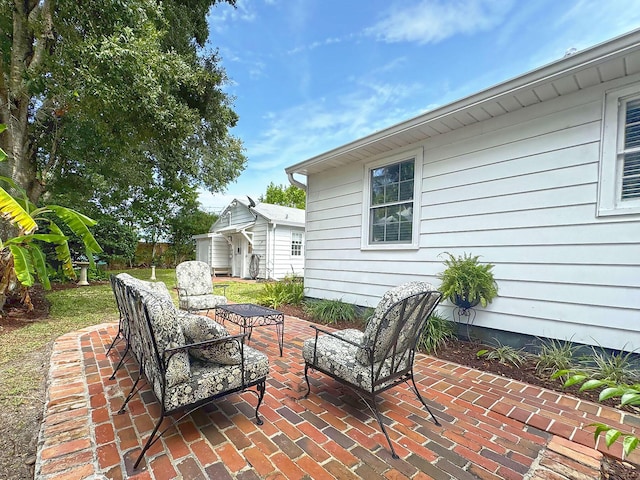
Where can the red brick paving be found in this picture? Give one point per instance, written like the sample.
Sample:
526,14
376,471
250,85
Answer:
492,427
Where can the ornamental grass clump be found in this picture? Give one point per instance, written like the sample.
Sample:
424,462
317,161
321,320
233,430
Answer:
467,282
331,311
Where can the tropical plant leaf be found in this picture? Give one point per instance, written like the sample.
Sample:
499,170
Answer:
629,444
22,265
40,266
62,251
611,436
600,427
591,384
3,155
78,225
631,397
611,392
572,380
44,237
12,212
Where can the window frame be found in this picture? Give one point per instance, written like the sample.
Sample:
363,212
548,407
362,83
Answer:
300,245
611,156
418,156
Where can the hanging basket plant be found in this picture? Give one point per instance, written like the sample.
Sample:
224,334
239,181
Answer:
466,282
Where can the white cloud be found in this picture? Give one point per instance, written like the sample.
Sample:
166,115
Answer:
310,128
431,21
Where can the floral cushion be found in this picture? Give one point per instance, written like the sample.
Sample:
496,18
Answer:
194,277
197,328
168,333
208,380
339,358
193,303
383,317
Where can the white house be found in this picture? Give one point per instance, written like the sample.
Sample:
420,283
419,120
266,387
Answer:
255,241
539,175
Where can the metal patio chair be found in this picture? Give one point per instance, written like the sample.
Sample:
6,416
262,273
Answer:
195,287
382,356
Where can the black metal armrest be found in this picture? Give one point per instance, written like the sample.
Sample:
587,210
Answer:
170,352
223,286
331,334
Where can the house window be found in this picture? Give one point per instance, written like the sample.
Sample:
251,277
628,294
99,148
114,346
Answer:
391,193
296,244
619,187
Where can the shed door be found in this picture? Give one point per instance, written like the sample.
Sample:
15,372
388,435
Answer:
239,259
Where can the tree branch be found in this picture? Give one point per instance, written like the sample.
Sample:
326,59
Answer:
43,13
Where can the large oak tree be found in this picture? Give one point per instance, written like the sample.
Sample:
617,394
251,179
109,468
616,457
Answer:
106,98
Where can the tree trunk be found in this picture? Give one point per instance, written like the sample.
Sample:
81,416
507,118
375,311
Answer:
27,53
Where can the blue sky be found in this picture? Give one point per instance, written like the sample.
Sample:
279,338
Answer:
311,75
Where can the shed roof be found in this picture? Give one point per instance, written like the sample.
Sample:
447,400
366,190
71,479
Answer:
279,214
615,58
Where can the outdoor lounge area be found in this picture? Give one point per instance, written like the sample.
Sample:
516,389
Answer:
491,427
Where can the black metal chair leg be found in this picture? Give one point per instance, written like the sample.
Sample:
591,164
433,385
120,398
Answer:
124,354
375,411
115,340
306,377
132,392
150,441
261,387
417,392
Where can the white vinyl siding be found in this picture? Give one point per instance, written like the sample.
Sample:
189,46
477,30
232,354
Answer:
521,191
619,186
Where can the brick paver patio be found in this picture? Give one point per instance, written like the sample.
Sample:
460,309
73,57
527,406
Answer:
492,427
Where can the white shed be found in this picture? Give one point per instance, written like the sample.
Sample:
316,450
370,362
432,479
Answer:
255,241
539,175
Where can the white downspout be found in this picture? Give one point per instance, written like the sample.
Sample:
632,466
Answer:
296,183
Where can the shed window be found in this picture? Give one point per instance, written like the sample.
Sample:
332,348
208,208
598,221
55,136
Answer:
296,244
391,190
620,162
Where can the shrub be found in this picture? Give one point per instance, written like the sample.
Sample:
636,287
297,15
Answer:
284,292
628,395
505,354
436,333
555,355
331,311
615,367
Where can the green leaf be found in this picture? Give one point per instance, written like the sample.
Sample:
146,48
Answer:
629,444
3,155
78,224
574,379
62,251
611,392
22,265
40,266
3,127
560,373
611,436
600,427
482,352
44,237
630,398
11,211
591,384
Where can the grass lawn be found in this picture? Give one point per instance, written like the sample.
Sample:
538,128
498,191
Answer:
73,309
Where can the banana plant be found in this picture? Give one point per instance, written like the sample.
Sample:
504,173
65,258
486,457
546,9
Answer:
22,261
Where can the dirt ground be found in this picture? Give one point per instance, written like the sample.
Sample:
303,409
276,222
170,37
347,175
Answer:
19,425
